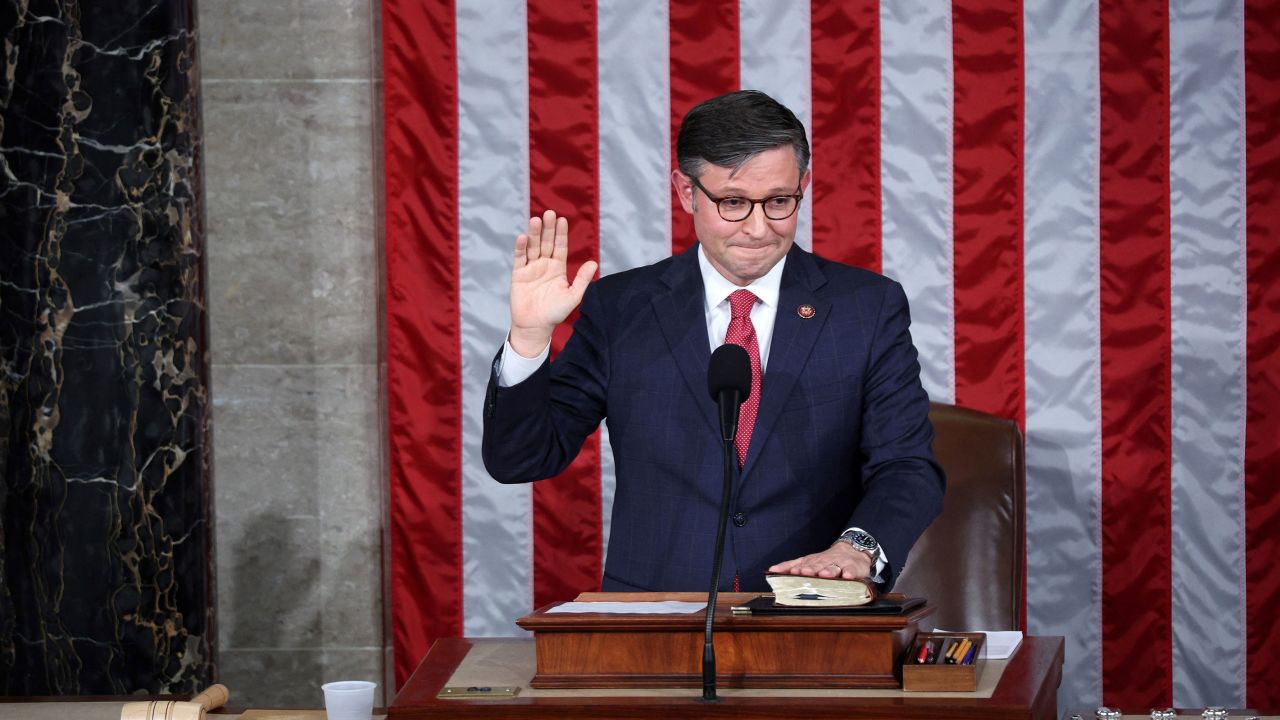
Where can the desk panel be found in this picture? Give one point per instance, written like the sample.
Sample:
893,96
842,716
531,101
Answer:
1027,689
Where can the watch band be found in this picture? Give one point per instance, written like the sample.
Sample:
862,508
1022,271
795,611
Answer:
862,540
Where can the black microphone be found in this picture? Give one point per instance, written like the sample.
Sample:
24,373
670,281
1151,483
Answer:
729,380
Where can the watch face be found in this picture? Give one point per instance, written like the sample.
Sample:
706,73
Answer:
863,540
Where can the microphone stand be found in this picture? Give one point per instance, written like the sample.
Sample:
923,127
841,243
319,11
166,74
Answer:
729,427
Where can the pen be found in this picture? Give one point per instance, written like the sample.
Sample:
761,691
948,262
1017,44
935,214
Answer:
923,656
968,656
952,646
958,652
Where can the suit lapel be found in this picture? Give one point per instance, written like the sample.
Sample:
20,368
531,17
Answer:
682,317
793,339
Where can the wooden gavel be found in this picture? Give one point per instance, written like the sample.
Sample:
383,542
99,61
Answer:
193,709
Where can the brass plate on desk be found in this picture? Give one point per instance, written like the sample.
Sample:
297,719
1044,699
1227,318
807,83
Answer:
283,715
473,692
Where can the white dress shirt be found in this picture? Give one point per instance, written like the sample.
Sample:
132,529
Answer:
715,304
514,368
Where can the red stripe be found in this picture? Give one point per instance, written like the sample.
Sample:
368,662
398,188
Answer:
844,47
987,249
704,63
423,352
987,56
1136,346
1262,429
564,176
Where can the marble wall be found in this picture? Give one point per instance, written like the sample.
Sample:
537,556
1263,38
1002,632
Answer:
105,583
293,189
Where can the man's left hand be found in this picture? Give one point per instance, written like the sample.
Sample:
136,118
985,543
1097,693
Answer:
838,561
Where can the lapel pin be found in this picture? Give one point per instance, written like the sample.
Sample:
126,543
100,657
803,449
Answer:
806,311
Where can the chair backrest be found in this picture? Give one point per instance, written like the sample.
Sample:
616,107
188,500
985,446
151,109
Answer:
969,563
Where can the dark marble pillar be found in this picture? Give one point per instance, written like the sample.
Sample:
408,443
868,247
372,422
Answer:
105,572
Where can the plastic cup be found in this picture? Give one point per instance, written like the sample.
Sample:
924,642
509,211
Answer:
349,699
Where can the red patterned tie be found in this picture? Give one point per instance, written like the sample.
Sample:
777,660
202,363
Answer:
742,332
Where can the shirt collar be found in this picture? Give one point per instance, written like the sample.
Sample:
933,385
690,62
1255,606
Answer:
718,288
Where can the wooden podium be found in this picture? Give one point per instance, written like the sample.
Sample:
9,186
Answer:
597,650
626,659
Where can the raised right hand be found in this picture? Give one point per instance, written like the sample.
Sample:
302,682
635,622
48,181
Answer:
541,294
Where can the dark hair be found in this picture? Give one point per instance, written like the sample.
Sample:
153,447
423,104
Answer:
730,129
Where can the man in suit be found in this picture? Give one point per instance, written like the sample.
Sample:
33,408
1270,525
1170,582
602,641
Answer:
835,474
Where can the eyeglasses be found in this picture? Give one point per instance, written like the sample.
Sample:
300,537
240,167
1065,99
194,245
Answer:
737,209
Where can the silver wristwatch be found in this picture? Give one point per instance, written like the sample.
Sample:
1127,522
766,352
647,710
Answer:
863,541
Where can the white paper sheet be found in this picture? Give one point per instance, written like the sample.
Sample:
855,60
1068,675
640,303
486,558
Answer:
1000,643
634,608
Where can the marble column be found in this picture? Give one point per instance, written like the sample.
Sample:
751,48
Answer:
105,563
291,130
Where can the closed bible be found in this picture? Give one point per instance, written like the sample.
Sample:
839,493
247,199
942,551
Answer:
801,591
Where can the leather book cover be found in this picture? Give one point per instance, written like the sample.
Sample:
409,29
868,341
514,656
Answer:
883,605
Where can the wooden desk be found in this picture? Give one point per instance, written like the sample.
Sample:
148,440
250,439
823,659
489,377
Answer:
98,708
108,707
1028,689
1236,714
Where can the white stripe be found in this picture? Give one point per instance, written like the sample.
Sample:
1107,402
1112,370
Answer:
493,205
635,156
774,59
1063,346
916,167
1206,160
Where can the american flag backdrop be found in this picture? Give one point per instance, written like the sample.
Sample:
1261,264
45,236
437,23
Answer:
1082,200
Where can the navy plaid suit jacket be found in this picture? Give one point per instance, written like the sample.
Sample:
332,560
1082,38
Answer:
842,437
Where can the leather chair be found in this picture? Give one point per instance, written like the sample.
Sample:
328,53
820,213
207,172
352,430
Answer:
969,563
